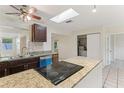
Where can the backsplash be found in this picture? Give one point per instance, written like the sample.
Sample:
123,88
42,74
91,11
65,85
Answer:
35,46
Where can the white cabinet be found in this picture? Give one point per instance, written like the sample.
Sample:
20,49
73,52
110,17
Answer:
93,79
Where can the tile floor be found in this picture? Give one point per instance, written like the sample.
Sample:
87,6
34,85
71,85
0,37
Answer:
113,75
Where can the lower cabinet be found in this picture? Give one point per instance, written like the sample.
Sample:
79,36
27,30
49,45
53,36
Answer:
92,80
21,65
11,67
15,66
15,69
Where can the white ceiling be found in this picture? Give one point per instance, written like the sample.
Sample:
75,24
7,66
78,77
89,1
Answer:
105,16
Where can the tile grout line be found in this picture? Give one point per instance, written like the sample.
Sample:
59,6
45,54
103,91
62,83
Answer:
106,77
117,73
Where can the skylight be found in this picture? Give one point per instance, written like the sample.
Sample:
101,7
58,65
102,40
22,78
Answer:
70,13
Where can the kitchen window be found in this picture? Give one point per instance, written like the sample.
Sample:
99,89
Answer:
7,44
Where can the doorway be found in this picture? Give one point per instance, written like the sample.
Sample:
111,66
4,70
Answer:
113,73
115,48
82,45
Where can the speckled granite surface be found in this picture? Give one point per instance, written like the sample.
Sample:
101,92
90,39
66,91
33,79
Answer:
7,59
32,79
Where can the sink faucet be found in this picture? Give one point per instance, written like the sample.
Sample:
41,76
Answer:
23,53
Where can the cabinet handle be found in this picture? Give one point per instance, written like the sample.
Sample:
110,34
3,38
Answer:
5,72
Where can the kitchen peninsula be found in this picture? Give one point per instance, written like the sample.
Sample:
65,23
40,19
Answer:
89,76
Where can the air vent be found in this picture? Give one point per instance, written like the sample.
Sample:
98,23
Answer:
69,21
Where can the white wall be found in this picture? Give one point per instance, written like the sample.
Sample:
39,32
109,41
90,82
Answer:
65,46
68,44
104,31
93,46
89,31
119,46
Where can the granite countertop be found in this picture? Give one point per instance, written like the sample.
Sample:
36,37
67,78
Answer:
32,79
6,59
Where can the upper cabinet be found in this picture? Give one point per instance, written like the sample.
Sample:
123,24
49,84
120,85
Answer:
39,33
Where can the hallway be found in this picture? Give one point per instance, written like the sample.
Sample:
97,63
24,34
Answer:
113,75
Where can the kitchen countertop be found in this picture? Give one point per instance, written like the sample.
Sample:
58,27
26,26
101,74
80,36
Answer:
6,59
32,79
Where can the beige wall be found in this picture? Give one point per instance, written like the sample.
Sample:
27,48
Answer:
65,45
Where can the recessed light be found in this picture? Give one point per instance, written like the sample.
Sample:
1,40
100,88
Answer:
94,10
70,13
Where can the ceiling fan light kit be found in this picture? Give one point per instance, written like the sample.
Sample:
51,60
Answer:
25,13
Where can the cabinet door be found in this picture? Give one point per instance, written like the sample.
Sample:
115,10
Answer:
38,33
21,65
16,69
2,73
32,65
16,66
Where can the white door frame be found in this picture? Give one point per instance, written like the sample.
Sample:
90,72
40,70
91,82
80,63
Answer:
108,49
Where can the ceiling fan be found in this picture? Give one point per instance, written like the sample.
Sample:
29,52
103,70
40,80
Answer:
25,12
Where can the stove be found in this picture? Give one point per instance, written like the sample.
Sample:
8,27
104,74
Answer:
56,73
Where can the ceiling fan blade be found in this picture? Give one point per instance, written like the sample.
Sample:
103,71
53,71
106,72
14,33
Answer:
13,13
15,7
36,17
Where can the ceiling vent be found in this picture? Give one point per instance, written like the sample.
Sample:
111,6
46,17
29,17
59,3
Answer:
68,21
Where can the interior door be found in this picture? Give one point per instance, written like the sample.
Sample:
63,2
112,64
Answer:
93,46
